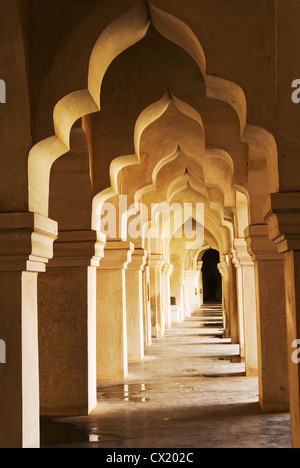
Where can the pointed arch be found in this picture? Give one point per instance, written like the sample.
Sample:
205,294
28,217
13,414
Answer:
124,32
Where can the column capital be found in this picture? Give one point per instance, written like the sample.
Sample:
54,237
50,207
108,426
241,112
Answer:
241,252
138,260
223,268
200,266
282,214
260,247
117,255
26,241
156,261
235,259
78,248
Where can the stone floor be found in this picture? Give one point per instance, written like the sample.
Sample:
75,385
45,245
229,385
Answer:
189,392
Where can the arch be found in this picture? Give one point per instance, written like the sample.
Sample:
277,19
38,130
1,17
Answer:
70,195
124,32
265,142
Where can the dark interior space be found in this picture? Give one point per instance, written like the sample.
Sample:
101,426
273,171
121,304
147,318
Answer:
212,280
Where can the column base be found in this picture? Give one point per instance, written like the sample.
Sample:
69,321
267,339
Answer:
274,407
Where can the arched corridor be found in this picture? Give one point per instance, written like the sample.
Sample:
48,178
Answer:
149,224
189,392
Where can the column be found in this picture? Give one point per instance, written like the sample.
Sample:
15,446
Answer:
135,305
240,302
224,271
67,325
177,291
26,245
112,358
200,287
156,263
234,320
249,306
283,218
147,308
167,271
192,291
271,319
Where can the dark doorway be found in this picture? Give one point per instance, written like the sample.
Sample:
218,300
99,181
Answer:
212,280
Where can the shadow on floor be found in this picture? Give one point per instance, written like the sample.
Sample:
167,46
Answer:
178,428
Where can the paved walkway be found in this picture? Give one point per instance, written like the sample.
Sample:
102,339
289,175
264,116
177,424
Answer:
189,392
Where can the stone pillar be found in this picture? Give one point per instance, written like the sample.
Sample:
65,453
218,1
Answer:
156,263
224,271
67,325
135,305
181,312
177,290
200,288
112,358
26,244
249,306
187,295
192,291
283,218
271,319
234,320
240,302
167,295
147,308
